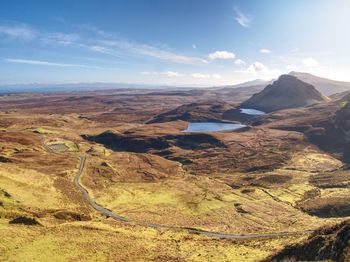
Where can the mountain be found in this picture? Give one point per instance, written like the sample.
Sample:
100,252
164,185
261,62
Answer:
287,92
77,87
251,86
256,82
324,85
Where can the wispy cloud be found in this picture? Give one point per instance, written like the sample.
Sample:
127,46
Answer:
265,51
21,31
239,62
221,55
103,42
41,63
155,52
116,43
111,43
60,38
103,50
243,19
177,74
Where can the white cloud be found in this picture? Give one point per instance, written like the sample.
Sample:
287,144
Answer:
239,62
194,46
199,75
242,19
257,67
166,73
171,74
17,31
259,70
221,55
310,62
265,51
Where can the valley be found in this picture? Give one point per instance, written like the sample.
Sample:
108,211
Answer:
106,170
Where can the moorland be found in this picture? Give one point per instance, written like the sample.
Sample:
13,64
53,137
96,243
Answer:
265,191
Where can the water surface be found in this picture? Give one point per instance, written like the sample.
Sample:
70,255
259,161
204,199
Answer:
250,111
211,127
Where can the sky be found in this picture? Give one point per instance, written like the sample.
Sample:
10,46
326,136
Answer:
182,42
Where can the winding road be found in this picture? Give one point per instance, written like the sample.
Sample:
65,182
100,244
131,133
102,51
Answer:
109,213
99,208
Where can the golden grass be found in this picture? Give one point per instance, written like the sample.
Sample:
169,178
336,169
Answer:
172,198
98,241
42,130
29,187
313,161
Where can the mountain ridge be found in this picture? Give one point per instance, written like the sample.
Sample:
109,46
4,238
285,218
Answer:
324,85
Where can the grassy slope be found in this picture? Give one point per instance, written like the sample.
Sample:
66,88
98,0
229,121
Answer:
107,241
211,204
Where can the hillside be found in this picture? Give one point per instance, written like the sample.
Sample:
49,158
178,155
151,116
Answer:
324,85
197,112
287,92
327,244
334,134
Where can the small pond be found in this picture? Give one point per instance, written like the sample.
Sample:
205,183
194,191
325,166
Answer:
250,111
211,127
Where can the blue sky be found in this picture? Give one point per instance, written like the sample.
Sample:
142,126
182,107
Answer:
182,42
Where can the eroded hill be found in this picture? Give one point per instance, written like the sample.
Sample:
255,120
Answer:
287,92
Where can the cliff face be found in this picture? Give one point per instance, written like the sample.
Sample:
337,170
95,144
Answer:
287,92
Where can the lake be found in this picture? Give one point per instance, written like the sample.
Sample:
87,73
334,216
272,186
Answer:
250,111
211,127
